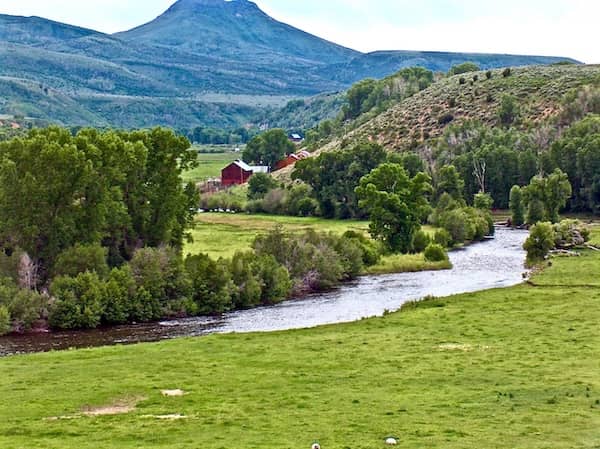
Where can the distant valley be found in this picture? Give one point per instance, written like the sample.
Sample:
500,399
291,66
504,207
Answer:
201,63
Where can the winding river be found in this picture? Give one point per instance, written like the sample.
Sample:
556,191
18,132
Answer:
497,262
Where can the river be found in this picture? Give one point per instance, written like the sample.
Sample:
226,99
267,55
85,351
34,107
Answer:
494,263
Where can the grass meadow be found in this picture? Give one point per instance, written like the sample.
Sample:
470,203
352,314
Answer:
507,368
209,166
222,234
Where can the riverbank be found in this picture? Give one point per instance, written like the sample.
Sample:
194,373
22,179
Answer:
224,234
445,373
493,263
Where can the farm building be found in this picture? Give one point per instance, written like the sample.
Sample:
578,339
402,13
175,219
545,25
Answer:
292,159
238,172
296,138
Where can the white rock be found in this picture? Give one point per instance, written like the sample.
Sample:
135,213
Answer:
391,441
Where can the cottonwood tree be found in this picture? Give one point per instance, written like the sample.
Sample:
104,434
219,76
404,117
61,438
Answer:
268,148
395,204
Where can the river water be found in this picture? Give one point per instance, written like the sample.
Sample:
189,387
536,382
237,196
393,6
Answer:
498,262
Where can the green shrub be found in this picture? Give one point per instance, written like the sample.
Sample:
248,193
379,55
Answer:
371,254
5,322
420,241
570,233
120,294
539,243
25,308
435,253
483,201
307,207
78,302
442,237
465,67
535,211
506,72
211,283
313,260
259,185
456,223
81,258
488,74
351,255
161,273
247,289
145,307
517,207
274,278
509,110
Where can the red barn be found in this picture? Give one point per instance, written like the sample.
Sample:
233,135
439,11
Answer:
289,160
292,159
238,172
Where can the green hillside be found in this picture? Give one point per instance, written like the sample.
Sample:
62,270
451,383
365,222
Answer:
539,91
196,48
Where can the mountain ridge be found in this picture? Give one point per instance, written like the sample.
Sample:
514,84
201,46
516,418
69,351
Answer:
195,48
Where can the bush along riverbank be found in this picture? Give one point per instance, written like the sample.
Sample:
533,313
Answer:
159,283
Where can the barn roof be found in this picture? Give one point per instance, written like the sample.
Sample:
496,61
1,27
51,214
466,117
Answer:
252,168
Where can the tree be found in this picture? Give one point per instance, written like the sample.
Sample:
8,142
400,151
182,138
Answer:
557,191
483,201
211,284
516,206
334,175
509,110
540,242
465,67
268,148
357,97
546,196
449,181
395,204
534,198
259,185
122,190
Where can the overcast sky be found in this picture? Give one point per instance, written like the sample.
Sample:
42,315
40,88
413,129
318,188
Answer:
541,27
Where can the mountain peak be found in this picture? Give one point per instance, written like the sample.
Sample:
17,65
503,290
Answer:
236,29
198,5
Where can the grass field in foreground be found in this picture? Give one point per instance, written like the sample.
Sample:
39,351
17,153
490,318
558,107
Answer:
209,166
508,368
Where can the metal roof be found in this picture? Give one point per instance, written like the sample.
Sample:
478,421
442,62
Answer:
252,168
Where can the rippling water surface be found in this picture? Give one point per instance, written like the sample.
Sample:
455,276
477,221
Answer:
490,264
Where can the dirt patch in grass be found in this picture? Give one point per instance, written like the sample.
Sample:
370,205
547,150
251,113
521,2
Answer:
461,347
119,407
173,393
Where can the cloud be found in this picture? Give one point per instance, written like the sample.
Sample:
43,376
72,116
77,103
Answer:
540,27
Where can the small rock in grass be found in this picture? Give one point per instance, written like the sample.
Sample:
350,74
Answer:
391,441
315,446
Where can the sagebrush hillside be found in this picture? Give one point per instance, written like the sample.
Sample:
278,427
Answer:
539,92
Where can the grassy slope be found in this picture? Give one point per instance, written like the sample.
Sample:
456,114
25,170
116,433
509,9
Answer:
503,368
538,89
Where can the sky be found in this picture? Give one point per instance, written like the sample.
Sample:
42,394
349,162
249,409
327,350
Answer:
541,27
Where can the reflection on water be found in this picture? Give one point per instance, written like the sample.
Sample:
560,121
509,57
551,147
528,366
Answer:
491,264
